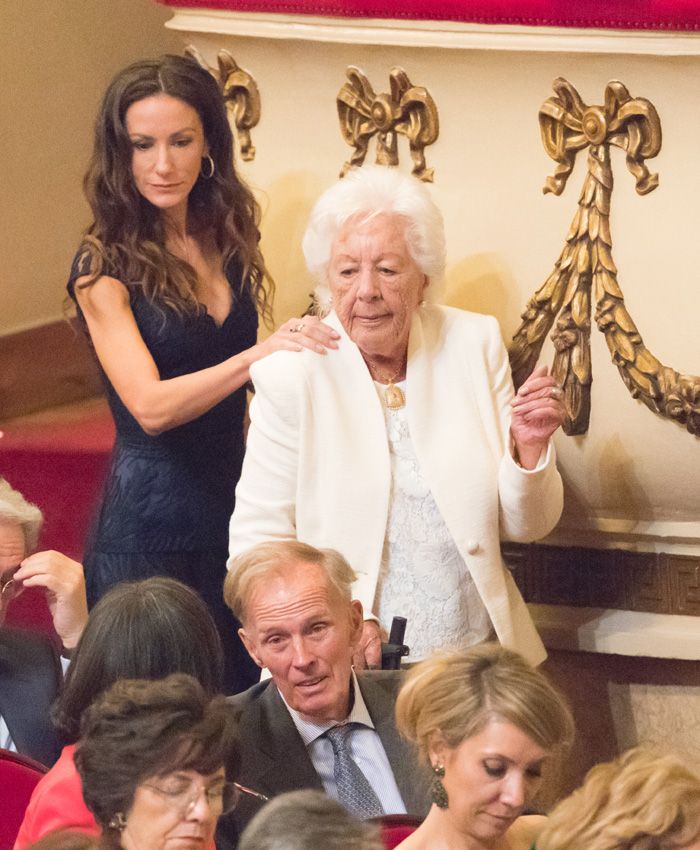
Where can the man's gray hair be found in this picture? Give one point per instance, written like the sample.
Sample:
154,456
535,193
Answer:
274,556
15,508
308,820
363,194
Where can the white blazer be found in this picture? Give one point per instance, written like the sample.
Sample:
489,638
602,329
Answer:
317,464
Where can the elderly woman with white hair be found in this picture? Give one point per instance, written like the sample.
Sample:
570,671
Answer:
406,448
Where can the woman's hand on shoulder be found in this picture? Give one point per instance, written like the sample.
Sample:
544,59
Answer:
537,411
296,334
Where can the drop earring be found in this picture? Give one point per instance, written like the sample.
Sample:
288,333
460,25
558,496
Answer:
118,822
437,789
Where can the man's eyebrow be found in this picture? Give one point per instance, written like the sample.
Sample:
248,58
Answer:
266,630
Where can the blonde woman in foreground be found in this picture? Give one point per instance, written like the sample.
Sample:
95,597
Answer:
487,723
640,801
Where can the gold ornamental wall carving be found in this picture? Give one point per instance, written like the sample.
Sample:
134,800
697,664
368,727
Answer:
241,94
586,270
406,110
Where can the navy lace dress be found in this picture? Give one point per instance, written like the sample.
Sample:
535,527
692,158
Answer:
168,499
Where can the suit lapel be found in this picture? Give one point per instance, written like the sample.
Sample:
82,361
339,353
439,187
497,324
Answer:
274,760
30,677
379,694
284,764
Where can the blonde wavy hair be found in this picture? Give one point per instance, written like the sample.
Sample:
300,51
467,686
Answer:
641,801
274,556
454,695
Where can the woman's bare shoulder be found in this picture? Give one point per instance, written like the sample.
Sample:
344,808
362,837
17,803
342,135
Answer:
102,296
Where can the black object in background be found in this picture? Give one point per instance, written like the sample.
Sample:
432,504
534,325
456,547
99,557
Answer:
395,649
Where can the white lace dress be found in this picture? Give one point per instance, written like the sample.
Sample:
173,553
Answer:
422,576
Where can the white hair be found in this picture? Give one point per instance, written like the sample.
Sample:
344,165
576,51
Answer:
364,194
15,508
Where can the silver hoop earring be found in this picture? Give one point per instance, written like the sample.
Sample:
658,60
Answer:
212,167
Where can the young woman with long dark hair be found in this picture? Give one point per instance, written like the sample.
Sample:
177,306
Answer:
169,280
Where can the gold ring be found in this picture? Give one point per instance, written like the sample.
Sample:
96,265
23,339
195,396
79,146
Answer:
557,392
297,328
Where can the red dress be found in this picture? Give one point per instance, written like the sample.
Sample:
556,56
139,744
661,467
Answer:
57,803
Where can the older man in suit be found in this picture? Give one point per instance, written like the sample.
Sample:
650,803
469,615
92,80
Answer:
30,669
316,723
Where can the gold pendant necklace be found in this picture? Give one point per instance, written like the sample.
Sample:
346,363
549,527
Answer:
394,397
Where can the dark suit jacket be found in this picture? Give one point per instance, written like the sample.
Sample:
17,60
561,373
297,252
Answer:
30,678
274,758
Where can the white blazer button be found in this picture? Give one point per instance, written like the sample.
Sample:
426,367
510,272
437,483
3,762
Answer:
472,547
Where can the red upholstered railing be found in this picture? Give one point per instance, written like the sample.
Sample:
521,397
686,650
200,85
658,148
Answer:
671,15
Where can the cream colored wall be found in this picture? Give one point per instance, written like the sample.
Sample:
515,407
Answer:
56,57
633,479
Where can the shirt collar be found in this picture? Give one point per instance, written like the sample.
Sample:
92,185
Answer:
310,730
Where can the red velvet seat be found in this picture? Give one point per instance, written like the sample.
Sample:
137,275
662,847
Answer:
395,828
18,778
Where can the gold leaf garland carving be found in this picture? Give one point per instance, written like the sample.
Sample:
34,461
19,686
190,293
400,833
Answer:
586,270
406,110
240,92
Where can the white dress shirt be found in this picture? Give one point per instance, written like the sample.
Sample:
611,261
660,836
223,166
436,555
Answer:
366,750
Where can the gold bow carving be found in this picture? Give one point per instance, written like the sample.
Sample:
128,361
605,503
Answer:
240,93
585,268
407,110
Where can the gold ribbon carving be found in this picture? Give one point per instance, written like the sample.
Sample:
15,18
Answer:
406,110
241,94
585,269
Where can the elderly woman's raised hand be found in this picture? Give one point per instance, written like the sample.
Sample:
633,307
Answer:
299,333
537,411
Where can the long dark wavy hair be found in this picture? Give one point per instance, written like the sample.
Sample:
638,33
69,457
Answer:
128,232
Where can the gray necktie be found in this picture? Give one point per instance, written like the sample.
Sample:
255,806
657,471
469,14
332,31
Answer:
354,791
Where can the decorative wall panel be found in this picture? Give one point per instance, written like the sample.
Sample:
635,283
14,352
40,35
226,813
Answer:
606,578
585,271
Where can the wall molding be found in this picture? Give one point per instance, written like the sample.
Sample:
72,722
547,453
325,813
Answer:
574,576
611,632
46,366
453,35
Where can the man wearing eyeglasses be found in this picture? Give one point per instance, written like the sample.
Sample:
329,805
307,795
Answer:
30,669
316,723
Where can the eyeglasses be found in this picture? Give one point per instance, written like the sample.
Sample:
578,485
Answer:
224,797
9,588
220,798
